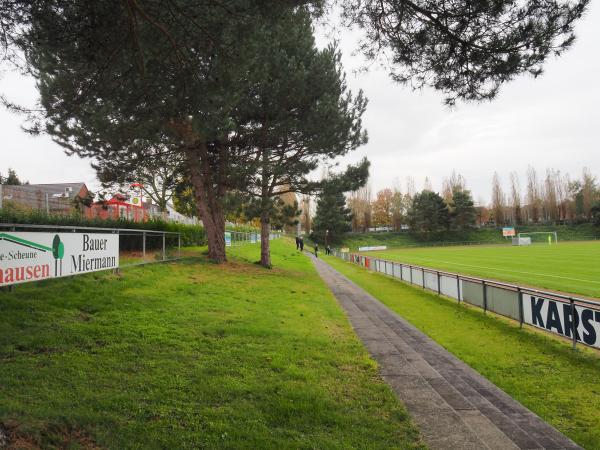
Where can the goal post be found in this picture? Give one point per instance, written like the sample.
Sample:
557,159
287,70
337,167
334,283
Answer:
541,237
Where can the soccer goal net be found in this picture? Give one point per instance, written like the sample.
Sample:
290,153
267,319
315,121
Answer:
540,237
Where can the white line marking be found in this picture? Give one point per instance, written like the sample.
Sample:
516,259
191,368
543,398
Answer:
508,270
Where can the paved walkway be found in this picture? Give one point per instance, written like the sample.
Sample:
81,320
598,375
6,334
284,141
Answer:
454,406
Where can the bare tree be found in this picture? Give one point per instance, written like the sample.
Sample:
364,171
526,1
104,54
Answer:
410,186
533,196
305,218
498,200
515,196
588,192
427,185
360,205
550,197
455,182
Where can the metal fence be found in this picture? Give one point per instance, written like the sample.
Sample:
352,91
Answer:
234,238
135,246
568,316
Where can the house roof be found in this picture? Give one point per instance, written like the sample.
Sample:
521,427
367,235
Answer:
51,188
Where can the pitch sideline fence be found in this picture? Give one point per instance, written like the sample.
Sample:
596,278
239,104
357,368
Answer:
568,316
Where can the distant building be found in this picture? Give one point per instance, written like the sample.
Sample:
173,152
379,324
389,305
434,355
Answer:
55,198
118,207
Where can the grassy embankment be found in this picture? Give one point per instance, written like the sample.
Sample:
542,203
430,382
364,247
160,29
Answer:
572,267
191,355
476,236
543,373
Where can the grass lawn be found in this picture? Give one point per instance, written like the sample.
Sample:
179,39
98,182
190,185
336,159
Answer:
543,373
191,355
572,267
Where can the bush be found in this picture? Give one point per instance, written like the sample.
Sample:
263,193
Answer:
190,234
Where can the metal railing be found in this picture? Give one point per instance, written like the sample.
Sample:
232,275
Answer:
139,246
577,319
234,238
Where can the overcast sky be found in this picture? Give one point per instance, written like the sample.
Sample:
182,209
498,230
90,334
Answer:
550,122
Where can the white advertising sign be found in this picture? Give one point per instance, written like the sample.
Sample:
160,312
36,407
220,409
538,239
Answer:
34,256
371,248
557,317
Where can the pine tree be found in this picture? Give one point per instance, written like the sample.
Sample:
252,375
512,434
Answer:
463,211
299,112
332,218
428,212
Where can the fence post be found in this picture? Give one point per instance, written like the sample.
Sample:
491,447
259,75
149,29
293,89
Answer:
438,283
401,272
411,277
521,315
573,323
47,205
423,277
164,248
484,296
179,245
144,245
458,288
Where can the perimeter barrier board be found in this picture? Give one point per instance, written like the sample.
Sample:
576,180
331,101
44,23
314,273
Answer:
397,271
503,302
417,276
449,286
431,281
472,292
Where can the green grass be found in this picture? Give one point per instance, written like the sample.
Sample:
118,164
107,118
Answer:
580,232
572,267
560,385
192,355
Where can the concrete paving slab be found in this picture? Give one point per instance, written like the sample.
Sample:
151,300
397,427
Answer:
454,406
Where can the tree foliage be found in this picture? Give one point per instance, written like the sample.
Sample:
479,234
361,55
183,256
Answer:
428,212
465,49
333,217
11,178
462,209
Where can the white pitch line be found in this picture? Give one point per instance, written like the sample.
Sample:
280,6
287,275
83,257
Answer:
512,271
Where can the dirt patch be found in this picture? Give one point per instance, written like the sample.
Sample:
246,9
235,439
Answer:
246,268
3,437
54,436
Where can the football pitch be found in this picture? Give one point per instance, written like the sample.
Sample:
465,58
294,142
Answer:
571,267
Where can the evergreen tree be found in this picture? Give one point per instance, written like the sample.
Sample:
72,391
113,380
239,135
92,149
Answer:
113,74
463,48
298,114
462,209
428,212
333,217
11,179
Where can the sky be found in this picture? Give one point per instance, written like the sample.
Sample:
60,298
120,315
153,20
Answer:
549,122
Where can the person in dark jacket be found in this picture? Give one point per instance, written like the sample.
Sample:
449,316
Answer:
316,250
297,243
328,250
301,244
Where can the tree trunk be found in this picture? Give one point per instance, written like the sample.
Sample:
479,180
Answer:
265,232
265,214
208,201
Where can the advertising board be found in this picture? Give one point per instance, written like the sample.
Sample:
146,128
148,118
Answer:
31,256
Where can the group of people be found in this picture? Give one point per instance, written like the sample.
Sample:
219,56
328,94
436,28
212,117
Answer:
300,246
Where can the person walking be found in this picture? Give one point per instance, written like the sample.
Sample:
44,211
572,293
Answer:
316,250
301,244
328,250
297,243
